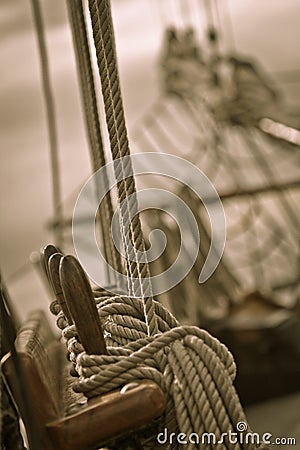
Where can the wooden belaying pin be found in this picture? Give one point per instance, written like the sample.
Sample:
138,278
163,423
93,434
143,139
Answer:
81,303
46,254
53,269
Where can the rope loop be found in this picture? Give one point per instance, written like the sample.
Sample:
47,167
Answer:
195,371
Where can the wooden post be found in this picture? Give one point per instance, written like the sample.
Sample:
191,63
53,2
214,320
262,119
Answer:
81,303
53,269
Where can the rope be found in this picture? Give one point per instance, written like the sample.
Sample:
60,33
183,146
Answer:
137,271
195,371
89,99
144,341
51,121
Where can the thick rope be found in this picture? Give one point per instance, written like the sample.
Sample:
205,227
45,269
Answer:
195,371
144,341
89,99
139,274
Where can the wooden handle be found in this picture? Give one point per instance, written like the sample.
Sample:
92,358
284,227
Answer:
81,303
46,254
53,268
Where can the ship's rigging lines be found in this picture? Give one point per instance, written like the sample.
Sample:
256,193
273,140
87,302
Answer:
144,340
215,111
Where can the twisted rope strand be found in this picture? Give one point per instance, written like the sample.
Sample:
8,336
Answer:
89,99
110,99
133,243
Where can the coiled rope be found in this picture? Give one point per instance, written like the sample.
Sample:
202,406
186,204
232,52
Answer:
144,341
195,371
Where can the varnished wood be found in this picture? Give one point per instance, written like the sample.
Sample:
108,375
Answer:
46,254
109,417
53,269
102,419
39,356
81,303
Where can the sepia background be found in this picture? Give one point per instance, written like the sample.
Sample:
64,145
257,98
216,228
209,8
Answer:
267,31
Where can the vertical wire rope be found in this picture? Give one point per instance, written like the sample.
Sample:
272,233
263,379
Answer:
51,121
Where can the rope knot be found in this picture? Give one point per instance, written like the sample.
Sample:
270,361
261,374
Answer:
194,369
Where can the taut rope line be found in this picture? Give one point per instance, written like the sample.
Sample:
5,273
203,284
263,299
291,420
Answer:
89,99
106,56
51,122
